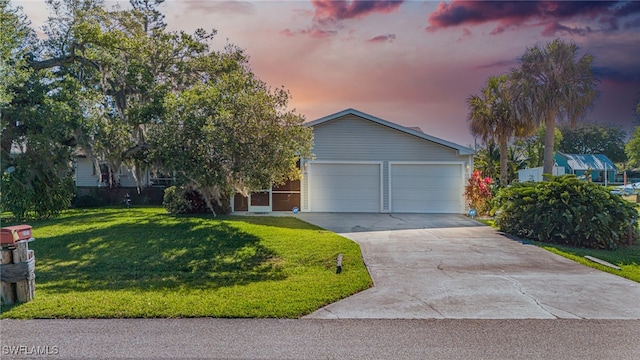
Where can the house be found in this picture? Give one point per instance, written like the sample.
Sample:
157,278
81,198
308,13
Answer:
601,168
94,183
535,174
87,175
366,164
361,164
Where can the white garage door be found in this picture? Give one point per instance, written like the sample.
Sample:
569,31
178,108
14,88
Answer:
427,188
344,187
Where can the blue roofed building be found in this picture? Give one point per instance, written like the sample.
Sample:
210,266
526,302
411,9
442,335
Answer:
601,168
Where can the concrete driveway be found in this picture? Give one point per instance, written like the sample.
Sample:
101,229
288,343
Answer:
449,266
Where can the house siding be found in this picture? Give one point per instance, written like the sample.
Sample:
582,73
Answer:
84,172
579,164
87,177
362,140
352,138
126,178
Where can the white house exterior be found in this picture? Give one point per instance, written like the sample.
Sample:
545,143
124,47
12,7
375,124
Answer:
535,174
86,175
367,164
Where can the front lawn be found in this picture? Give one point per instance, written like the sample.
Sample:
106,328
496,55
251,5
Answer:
143,263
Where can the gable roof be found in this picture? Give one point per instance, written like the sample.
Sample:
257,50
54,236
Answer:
588,161
462,150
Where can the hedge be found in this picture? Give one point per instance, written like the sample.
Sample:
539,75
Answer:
565,210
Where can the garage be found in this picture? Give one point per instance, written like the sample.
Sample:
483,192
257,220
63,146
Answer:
362,163
426,188
345,187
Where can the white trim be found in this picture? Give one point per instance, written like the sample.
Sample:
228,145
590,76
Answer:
340,162
462,165
364,162
427,163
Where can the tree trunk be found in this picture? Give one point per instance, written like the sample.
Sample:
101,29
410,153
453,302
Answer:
503,161
550,131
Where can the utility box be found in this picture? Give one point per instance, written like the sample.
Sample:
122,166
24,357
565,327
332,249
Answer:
11,234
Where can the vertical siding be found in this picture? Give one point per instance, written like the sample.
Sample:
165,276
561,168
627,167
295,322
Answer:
127,179
85,173
85,176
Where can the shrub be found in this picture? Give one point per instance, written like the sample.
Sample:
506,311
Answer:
178,200
174,201
39,196
565,210
478,192
87,201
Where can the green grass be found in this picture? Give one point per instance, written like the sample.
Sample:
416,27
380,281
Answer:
626,257
144,263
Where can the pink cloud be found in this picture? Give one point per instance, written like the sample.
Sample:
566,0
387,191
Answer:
382,38
329,14
515,14
313,31
341,10
319,33
553,27
287,32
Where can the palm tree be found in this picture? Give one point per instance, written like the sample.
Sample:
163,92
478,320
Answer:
551,84
492,118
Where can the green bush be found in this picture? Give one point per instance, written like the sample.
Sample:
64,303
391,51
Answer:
174,200
88,201
565,210
178,200
38,196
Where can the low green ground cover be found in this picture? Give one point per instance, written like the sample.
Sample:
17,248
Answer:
143,263
626,257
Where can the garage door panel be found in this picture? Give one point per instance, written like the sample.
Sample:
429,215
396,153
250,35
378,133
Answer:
426,188
429,196
344,187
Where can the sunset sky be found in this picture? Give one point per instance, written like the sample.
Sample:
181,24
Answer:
412,62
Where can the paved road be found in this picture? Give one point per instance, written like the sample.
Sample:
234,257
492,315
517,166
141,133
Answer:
321,339
449,266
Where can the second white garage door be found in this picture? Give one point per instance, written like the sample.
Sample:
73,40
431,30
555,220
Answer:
427,188
342,187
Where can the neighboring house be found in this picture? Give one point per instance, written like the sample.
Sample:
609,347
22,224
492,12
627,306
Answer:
366,164
535,174
601,168
86,175
93,188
